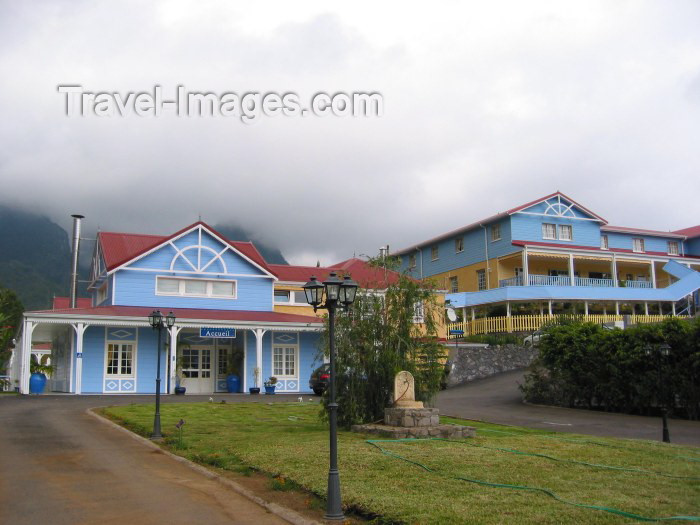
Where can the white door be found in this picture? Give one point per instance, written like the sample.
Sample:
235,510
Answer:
196,370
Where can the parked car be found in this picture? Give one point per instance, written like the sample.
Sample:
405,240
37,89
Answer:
534,339
318,382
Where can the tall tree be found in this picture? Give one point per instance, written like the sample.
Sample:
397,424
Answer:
382,334
11,310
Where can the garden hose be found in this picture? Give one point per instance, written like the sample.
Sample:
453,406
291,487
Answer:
586,441
547,492
573,461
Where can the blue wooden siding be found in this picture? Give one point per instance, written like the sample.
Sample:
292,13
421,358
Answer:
146,360
139,289
529,228
474,250
692,246
93,359
651,243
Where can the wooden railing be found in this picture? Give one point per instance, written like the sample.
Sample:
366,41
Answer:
530,323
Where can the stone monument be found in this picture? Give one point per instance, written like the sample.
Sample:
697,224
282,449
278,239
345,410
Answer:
409,418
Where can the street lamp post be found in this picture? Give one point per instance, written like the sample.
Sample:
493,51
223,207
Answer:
338,293
661,355
157,322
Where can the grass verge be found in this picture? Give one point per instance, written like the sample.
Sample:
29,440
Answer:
425,481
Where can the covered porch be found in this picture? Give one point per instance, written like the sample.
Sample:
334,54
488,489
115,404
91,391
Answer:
114,350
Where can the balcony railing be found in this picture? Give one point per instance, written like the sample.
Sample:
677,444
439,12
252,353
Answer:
565,280
527,323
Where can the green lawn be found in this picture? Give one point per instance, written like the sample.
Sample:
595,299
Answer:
288,440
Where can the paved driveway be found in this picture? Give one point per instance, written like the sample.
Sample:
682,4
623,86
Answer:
60,466
497,400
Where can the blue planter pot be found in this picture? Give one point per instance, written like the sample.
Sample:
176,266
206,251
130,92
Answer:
37,383
180,390
269,389
233,384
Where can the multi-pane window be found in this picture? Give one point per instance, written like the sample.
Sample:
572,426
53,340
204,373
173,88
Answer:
603,242
418,312
102,293
195,287
549,231
481,279
290,297
412,260
120,359
284,361
282,296
223,360
454,285
459,244
565,233
637,245
495,232
673,248
434,253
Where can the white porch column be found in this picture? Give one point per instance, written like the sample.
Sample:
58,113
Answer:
526,269
464,314
259,333
549,303
473,314
173,332
613,269
646,307
585,307
571,269
617,307
652,271
661,309
26,356
673,308
605,309
508,308
541,309
79,329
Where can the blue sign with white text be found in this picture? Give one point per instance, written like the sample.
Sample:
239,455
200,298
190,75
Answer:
227,333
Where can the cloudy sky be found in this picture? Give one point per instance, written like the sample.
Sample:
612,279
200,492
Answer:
486,105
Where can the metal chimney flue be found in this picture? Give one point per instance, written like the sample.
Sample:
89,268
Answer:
74,261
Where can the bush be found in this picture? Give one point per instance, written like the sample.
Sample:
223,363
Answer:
586,365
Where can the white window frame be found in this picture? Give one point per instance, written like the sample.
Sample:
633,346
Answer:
637,242
604,242
454,284
481,280
134,352
459,244
419,313
291,301
563,228
673,251
545,226
495,232
209,293
283,346
412,261
434,253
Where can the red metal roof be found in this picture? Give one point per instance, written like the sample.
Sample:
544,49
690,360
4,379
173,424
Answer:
366,276
655,233
693,231
187,314
120,248
64,302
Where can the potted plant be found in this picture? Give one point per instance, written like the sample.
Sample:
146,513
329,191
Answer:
270,385
256,381
37,381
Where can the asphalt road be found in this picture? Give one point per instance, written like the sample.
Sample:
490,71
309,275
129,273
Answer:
60,466
497,400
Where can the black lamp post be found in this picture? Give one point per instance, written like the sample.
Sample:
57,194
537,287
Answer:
157,322
338,293
661,355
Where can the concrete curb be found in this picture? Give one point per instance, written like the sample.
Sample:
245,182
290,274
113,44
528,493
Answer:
282,512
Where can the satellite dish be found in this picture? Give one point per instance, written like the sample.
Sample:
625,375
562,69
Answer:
451,315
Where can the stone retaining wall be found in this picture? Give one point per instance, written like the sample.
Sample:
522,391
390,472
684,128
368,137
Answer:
471,361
